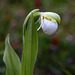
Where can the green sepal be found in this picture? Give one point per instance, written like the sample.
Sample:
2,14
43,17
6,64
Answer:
51,15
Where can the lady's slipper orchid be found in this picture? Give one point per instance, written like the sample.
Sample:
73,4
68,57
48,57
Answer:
48,22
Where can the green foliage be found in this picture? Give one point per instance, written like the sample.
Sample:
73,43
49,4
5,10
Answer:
30,48
11,59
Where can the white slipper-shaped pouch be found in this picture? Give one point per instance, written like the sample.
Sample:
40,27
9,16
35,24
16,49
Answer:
48,22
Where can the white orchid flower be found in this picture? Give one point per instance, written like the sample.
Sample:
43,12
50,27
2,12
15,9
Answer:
49,22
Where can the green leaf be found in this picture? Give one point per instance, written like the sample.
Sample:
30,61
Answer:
11,59
26,19
30,48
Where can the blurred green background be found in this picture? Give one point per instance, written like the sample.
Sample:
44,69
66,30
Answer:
56,55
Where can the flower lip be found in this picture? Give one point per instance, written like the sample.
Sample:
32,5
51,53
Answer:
49,25
49,22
